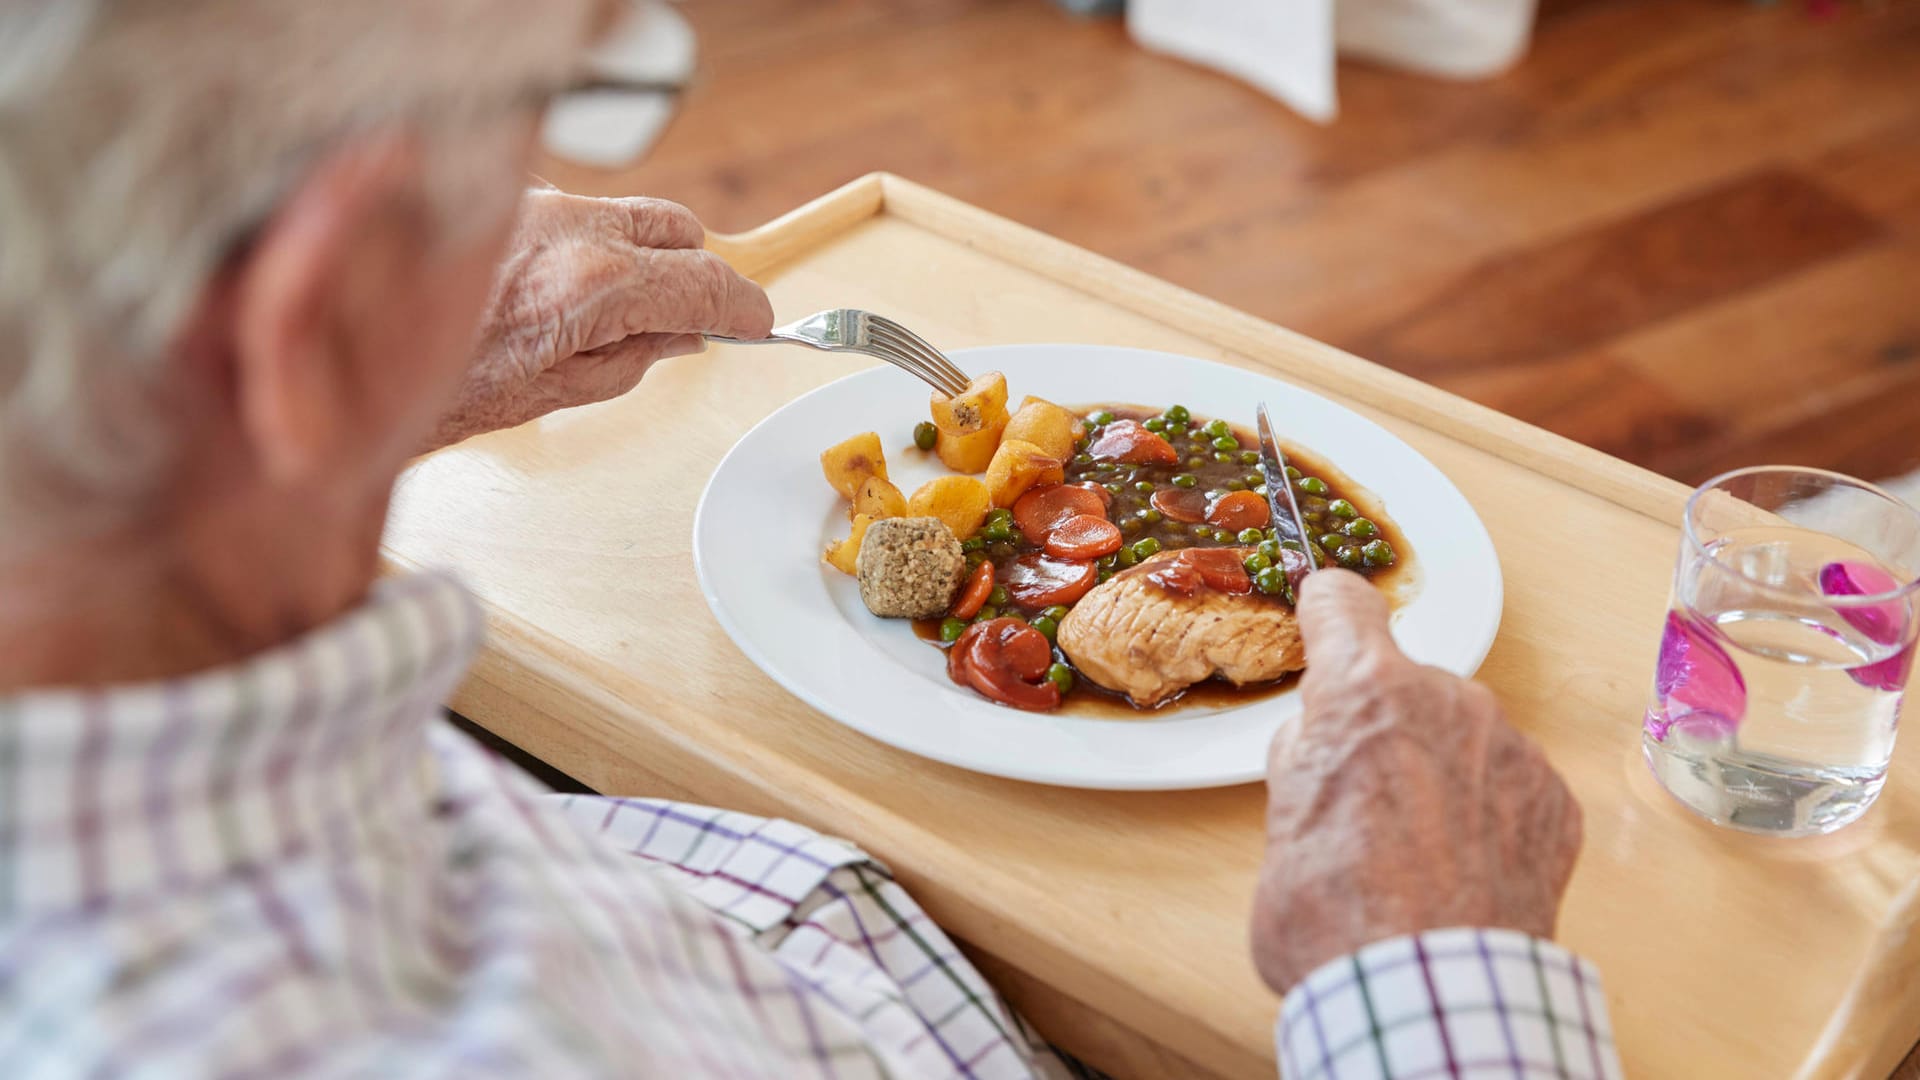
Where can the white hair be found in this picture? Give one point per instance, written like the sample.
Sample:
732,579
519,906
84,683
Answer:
141,139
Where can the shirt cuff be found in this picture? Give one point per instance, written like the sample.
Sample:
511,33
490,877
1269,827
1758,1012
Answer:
1461,1002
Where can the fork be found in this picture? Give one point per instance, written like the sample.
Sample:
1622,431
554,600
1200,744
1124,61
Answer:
856,331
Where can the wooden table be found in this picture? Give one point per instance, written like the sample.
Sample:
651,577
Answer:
1117,920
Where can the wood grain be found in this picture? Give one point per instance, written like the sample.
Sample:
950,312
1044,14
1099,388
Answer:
1681,144
1120,917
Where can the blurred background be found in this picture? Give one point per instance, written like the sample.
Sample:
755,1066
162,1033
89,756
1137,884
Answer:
1686,232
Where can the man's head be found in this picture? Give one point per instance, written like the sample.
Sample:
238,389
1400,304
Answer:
243,242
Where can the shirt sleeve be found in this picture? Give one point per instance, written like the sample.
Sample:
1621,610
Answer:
1464,1003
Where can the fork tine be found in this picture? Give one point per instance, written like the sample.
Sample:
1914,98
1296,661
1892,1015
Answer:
891,354
928,356
949,367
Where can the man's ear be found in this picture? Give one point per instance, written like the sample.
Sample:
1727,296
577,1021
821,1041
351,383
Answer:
348,231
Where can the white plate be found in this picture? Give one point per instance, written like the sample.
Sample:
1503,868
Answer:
768,512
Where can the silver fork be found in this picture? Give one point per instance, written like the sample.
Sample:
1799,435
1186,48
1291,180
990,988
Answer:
853,330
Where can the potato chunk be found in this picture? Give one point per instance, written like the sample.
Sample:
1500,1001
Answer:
974,408
1018,465
970,453
960,501
844,555
849,463
878,498
1045,425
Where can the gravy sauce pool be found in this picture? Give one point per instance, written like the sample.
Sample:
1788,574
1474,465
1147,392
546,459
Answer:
1203,467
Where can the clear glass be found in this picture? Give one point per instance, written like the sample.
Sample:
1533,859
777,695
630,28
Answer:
1788,645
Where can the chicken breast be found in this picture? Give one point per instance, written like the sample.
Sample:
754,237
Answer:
1132,636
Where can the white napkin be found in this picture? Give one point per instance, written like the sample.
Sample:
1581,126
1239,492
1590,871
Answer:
1287,47
653,44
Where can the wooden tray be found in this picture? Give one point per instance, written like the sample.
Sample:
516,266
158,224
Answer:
1117,920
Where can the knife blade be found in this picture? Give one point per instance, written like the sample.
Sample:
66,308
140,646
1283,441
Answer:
1284,508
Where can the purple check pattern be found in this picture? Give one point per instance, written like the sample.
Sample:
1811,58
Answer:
295,867
1480,1004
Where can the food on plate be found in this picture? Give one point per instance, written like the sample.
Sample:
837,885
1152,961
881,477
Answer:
1177,619
844,555
968,426
877,497
1116,551
1019,465
1046,425
909,567
960,501
925,434
848,464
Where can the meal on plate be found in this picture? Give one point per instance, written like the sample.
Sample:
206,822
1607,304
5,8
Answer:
1117,546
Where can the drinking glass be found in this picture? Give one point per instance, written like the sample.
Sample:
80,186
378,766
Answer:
1788,644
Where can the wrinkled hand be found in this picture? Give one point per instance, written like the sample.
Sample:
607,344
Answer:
1401,801
592,292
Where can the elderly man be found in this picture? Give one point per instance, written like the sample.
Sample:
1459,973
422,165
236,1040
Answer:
255,255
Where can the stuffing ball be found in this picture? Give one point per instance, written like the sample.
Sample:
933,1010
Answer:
909,567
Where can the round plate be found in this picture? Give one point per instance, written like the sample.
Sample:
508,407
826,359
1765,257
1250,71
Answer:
768,512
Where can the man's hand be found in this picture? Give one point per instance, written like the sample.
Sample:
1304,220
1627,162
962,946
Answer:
1401,801
592,292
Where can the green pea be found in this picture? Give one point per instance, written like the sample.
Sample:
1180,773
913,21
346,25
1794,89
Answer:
1131,525
1126,556
1143,485
1000,513
951,629
1152,517
1254,479
1226,442
998,597
1378,553
1087,426
1001,549
1256,562
1293,545
1252,536
1061,676
1155,423
1311,505
1178,414
1312,485
1106,563
974,559
1114,489
1102,418
1196,462
1145,548
1222,456
1293,473
1103,576
1204,532
1235,485
1176,428
1219,428
1362,529
925,435
1260,490
1271,581
1185,480
997,530
1271,549
1047,627
1249,457
973,543
1056,612
986,612
1083,460
1349,557
1342,508
1329,541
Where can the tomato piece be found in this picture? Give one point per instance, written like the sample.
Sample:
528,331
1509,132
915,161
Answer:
1128,441
1181,504
1038,581
1189,571
1006,661
973,595
1084,536
1238,510
1041,510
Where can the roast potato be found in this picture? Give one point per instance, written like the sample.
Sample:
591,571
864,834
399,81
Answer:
843,555
849,463
974,408
878,498
960,501
1045,425
1018,465
970,453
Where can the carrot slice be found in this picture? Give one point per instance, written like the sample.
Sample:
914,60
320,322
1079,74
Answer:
973,595
1129,441
1006,661
1187,572
1238,510
1038,581
1041,510
1106,497
1084,536
1181,504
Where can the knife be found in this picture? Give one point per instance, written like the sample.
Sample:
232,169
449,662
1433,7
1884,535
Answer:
1280,499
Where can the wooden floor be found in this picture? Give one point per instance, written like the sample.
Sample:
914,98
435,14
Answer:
1684,231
